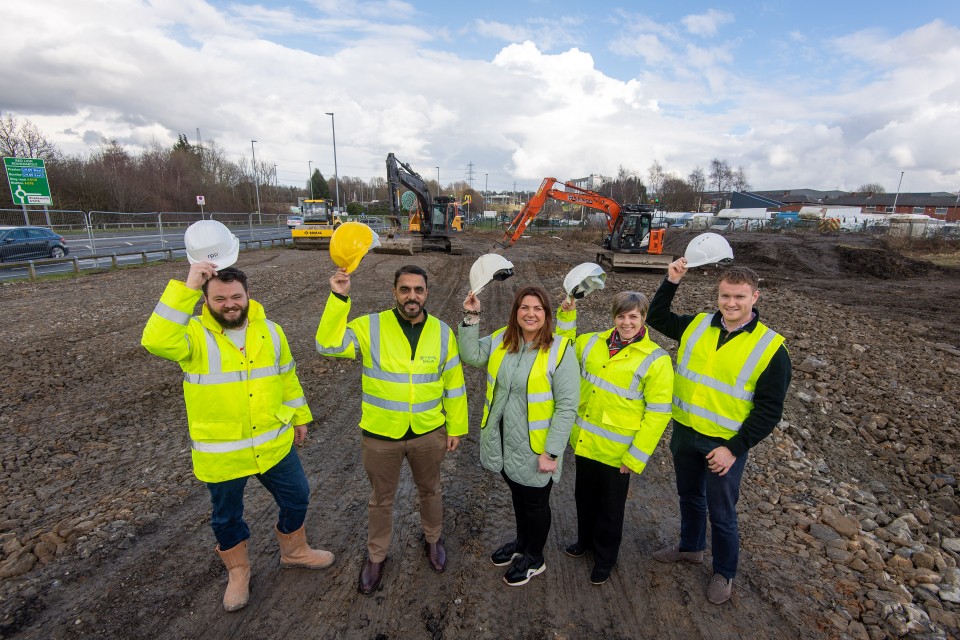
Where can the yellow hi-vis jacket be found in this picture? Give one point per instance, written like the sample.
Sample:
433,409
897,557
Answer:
241,408
540,402
401,391
713,388
624,400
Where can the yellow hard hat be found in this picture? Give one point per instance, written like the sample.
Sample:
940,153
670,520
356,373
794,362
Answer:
350,242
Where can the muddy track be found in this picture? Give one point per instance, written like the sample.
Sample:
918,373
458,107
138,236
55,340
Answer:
95,453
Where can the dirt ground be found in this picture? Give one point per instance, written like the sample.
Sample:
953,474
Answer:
850,521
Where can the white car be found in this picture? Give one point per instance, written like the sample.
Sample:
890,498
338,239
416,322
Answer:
293,221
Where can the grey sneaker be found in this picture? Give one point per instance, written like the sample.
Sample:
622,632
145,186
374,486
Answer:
673,554
718,591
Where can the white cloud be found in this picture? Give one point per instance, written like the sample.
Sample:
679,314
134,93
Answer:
706,24
137,72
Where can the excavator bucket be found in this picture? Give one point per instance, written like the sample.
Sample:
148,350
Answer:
394,243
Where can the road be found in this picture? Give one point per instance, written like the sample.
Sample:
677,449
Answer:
131,245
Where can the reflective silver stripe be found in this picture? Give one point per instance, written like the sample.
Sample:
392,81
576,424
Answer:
554,358
214,364
658,407
490,378
238,445
538,425
713,383
444,340
496,340
275,336
348,337
375,341
421,378
755,355
454,363
296,402
380,374
644,367
543,396
455,392
611,388
284,368
603,433
173,315
404,407
639,455
700,412
231,376
586,350
264,372
566,324
698,332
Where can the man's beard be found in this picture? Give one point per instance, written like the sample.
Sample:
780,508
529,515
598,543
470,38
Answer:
232,324
403,311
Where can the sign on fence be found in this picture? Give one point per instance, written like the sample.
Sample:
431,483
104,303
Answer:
28,181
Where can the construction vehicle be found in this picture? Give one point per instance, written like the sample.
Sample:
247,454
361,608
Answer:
632,242
434,217
319,223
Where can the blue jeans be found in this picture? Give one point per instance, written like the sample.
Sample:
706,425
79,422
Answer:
287,483
701,492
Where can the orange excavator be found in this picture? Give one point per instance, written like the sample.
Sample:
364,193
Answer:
632,242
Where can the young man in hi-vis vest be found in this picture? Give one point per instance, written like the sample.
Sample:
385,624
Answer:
729,387
245,410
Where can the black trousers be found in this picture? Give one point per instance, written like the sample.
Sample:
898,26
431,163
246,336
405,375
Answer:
531,506
600,492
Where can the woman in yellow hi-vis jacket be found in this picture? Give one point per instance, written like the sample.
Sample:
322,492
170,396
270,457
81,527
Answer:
530,405
626,385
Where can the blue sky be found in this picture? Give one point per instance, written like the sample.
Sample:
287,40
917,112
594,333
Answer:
800,94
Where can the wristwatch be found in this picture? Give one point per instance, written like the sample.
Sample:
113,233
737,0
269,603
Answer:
551,456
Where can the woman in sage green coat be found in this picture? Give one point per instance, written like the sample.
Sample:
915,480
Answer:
533,388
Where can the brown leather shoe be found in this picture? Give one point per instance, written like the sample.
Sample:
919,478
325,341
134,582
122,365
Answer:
370,576
436,554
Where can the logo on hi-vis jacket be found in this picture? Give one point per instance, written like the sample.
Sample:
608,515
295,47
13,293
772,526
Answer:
428,360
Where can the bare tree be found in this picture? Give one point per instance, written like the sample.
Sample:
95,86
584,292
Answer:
720,175
23,139
655,177
698,184
870,187
739,181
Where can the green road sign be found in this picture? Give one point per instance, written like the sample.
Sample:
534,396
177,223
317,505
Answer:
28,181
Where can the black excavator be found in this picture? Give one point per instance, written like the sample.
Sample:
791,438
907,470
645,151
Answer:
431,225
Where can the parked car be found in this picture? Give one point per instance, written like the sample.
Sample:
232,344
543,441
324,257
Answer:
293,221
24,243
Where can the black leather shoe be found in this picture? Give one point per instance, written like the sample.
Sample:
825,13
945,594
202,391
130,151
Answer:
575,550
370,576
506,554
436,554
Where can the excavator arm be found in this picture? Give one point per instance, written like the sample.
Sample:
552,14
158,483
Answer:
572,194
400,173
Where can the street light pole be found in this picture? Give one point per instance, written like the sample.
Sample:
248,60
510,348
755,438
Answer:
336,177
256,183
439,190
897,197
310,174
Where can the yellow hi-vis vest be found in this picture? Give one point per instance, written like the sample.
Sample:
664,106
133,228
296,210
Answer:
241,407
539,386
713,388
625,401
400,392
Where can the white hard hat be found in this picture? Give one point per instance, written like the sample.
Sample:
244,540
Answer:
584,279
708,248
211,241
490,266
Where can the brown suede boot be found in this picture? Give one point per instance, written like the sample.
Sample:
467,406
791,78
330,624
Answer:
238,585
294,552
